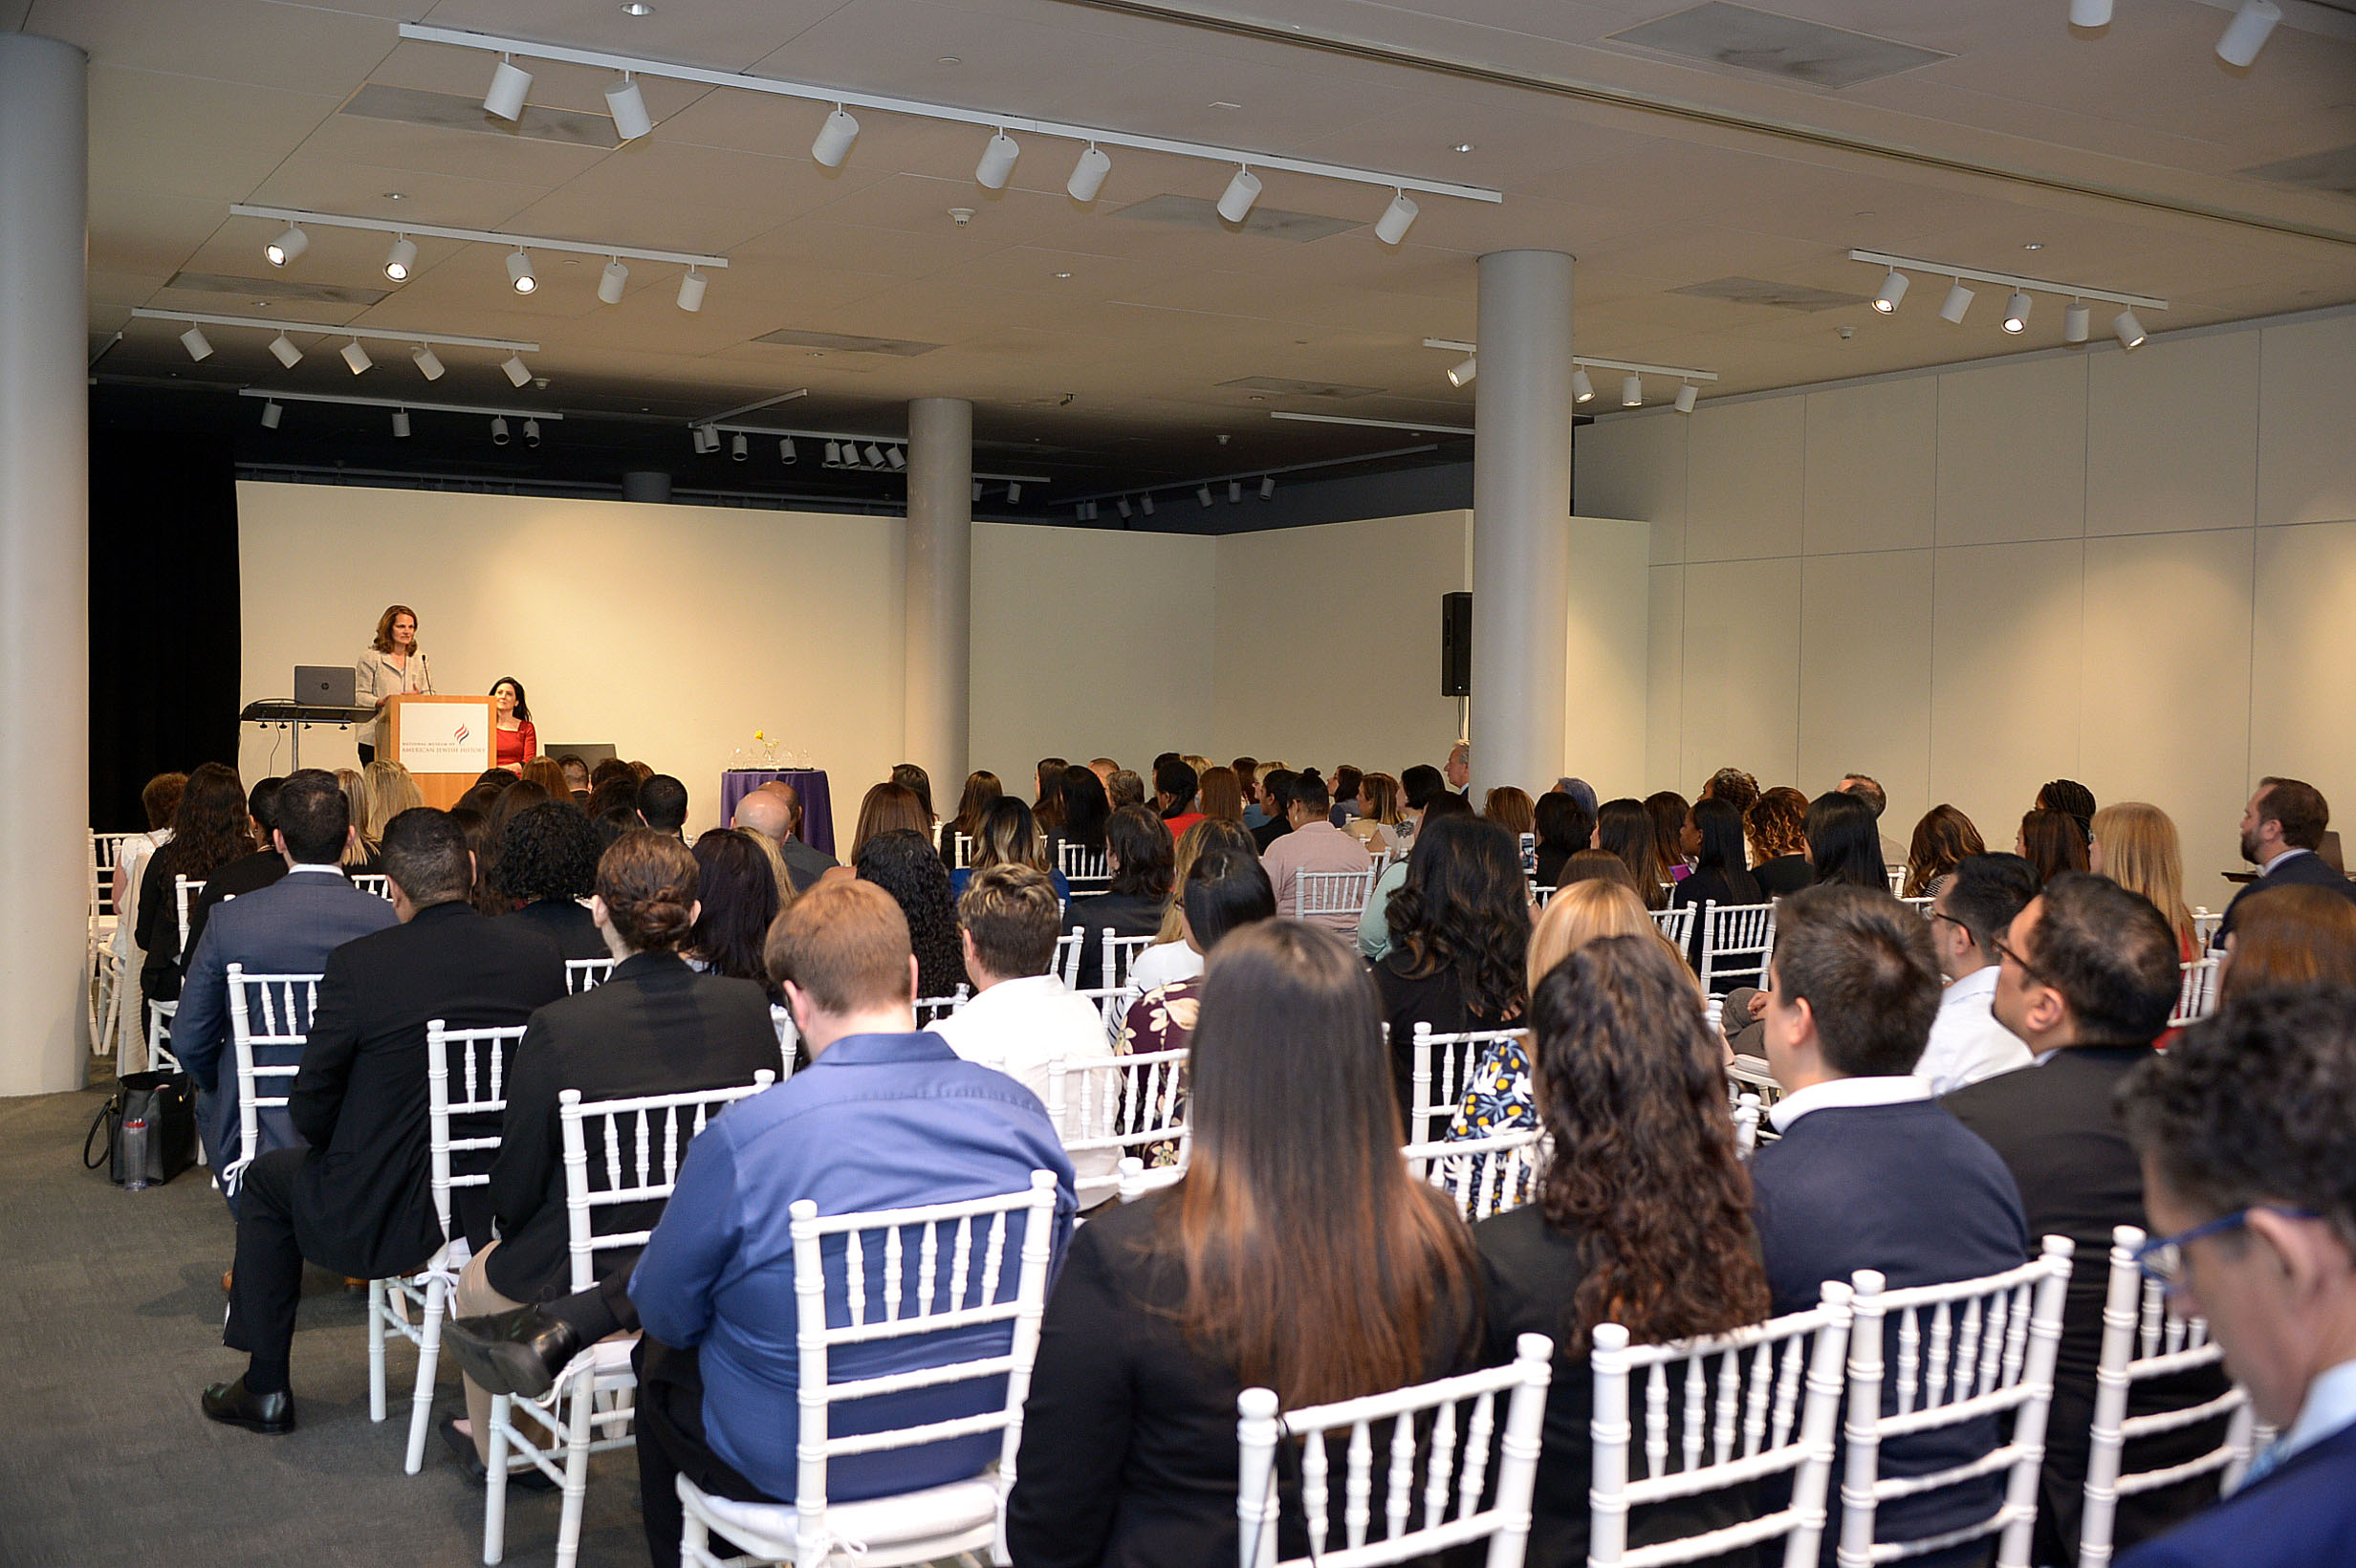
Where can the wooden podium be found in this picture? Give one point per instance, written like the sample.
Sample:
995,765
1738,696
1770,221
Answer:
444,742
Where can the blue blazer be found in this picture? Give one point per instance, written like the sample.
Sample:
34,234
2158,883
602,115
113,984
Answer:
287,927
2301,1516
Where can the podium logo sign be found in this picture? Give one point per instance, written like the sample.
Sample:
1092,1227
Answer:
446,748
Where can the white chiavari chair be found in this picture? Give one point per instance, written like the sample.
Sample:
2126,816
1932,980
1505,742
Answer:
2205,927
931,1010
1087,870
1120,1107
1331,893
902,1275
961,852
1897,879
1967,1351
266,1010
1770,1408
1749,1108
1485,1176
1432,1486
160,1014
1678,925
586,975
640,1141
1137,1178
1747,1078
1739,942
1068,956
2196,994
1443,1067
374,881
1119,952
1920,905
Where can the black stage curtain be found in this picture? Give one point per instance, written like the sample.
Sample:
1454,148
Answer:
164,622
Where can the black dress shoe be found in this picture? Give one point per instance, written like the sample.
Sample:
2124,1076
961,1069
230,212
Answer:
235,1404
530,1478
519,1351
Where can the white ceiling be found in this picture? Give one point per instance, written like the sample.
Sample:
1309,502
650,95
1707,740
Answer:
1657,172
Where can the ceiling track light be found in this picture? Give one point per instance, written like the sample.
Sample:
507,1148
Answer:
283,349
2248,32
1013,494
509,83
1631,391
357,357
834,454
519,272
2021,293
1088,173
1583,390
612,281
401,424
1461,375
1397,219
1958,300
287,245
1893,290
977,491
1235,200
1235,492
290,355
785,449
198,345
875,455
2016,314
1688,394
692,290
401,259
1202,495
998,154
498,429
739,447
2076,321
1267,489
428,362
532,432
628,107
2089,13
519,373
834,139
272,414
2127,329
899,459
1122,505
1144,503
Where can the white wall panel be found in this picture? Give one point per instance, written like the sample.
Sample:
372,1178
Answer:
2304,662
1871,478
2005,653
2172,435
2013,452
1635,468
1864,669
1663,683
1607,658
2306,432
1741,670
1744,480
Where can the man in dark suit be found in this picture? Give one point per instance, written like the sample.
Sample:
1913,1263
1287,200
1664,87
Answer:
246,874
2247,1133
357,1201
287,927
662,804
2281,829
773,812
2087,978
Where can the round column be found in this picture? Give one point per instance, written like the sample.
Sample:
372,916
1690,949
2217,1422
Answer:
940,576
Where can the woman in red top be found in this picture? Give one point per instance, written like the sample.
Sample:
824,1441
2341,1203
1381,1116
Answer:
514,741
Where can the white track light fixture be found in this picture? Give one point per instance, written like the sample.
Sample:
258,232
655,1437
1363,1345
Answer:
628,107
785,449
1461,375
401,259
977,491
998,154
1013,496
692,290
1235,202
499,430
1202,493
1397,219
1583,390
198,345
272,414
1122,505
739,447
703,440
2017,312
2127,330
1958,300
519,272
518,373
834,454
2248,32
1688,395
835,136
1893,290
1631,391
899,459
875,455
1144,503
357,357
532,432
1268,487
283,349
2076,321
508,84
2089,13
612,281
1088,174
428,362
401,424
1235,492
287,245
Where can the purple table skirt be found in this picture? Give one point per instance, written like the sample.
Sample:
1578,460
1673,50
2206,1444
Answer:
817,807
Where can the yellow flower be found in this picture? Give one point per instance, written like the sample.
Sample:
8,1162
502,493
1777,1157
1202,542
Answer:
759,736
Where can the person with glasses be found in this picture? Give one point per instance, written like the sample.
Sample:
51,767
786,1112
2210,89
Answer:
2247,1135
1975,902
2087,977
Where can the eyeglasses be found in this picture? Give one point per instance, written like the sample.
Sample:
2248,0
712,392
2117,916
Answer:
2008,953
2162,1258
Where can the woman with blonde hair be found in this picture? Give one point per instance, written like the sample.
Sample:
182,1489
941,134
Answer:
360,854
390,790
2135,844
1170,957
1378,817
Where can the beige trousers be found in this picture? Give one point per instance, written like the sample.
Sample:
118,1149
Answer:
474,1298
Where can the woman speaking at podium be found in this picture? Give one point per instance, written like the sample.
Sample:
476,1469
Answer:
388,667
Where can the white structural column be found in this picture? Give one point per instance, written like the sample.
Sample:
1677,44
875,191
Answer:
939,612
1521,505
44,563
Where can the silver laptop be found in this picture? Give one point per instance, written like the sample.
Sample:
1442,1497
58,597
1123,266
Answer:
325,686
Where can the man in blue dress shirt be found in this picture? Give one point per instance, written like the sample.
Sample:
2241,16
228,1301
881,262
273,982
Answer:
2247,1132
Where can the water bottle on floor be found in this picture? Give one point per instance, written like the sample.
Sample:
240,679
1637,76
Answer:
135,1154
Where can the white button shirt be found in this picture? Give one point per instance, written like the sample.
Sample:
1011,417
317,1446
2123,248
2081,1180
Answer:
1967,1043
1018,1026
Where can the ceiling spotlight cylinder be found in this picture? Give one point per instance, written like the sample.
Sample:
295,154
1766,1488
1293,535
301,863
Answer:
519,271
899,458
508,84
1893,290
834,454
612,281
282,348
1397,218
287,245
836,133
532,432
2017,312
1202,493
1687,396
1013,494
977,490
875,455
692,290
2089,12
272,414
1144,503
518,373
1122,507
2075,320
400,424
785,448
2248,32
1088,174
628,107
1583,390
357,357
998,154
739,447
1268,487
198,345
499,430
1631,391
428,362
401,259
1461,375
1235,492
1235,202
1958,300
2127,330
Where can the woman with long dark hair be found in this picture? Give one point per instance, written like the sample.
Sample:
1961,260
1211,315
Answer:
903,863
1943,840
891,806
1296,1254
1010,835
1672,834
513,740
1625,829
547,864
1642,1216
737,898
2052,842
211,826
1139,855
1086,810
1563,829
1844,841
1459,935
1719,876
981,793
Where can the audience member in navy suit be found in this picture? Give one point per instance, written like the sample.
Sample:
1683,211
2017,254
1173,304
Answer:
2247,1133
1868,1172
286,927
2281,828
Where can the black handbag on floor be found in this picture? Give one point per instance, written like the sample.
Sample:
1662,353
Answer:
150,1127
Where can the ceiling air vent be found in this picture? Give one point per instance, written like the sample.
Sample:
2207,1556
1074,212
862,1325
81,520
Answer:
1777,46
456,112
2334,170
1267,221
276,288
1284,386
1784,296
841,343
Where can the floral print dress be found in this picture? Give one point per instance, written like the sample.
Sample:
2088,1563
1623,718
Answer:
1497,1095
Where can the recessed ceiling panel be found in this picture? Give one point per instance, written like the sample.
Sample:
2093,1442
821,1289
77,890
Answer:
1266,222
1784,296
1286,386
2333,170
842,343
277,288
1779,46
448,111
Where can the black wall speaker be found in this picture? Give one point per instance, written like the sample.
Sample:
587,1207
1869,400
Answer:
1456,644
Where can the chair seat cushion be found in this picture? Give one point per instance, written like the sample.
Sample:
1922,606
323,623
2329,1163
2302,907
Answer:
878,1523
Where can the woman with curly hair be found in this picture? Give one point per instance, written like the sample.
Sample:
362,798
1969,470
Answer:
1459,933
1778,826
1733,786
1942,839
511,802
211,827
903,863
1643,1216
547,866
736,898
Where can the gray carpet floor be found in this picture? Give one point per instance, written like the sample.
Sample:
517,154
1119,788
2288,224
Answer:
110,1325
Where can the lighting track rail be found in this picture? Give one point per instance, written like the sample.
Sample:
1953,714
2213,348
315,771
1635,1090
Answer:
480,236
1417,426
1265,476
410,403
379,335
2008,280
